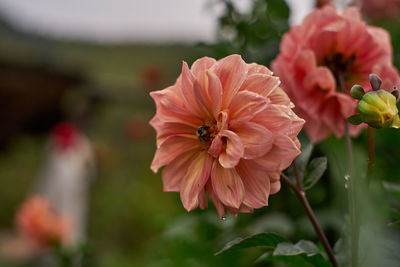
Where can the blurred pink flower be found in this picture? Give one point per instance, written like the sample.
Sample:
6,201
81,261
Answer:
40,223
327,46
379,9
224,128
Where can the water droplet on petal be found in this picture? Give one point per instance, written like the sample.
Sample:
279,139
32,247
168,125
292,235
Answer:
223,218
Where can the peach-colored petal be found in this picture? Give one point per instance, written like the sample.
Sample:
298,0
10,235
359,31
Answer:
201,65
230,71
208,90
256,139
273,119
230,157
195,179
281,154
189,96
217,203
216,147
174,172
256,183
203,201
254,68
261,84
278,96
171,109
275,187
166,129
227,185
171,148
246,105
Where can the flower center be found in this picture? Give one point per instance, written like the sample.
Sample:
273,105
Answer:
206,133
340,67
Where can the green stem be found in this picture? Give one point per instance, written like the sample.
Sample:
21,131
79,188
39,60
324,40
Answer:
354,227
298,190
371,153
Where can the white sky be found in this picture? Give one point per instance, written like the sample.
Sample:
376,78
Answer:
124,20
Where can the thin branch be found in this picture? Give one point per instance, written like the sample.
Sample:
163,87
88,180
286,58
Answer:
302,197
299,179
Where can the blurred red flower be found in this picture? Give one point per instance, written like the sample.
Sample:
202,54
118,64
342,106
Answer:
224,128
379,9
329,49
40,223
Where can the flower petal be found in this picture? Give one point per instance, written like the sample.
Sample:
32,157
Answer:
261,84
245,105
256,184
279,97
231,71
254,68
281,155
274,119
227,185
208,91
166,129
216,147
217,203
257,140
230,157
172,147
201,65
195,180
176,170
170,107
188,91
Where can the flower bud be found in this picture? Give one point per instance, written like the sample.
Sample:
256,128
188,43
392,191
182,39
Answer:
357,92
378,109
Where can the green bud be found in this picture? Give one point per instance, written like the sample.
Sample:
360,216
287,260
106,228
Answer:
378,109
357,92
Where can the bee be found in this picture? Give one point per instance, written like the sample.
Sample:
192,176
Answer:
203,133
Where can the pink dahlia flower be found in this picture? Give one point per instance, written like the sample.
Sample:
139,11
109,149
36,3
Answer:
41,224
379,9
225,129
328,49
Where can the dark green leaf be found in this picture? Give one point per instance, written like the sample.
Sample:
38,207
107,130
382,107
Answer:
302,254
355,119
314,172
303,159
265,240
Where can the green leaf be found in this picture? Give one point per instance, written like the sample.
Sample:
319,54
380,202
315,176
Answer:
303,159
265,240
393,188
314,172
303,254
355,119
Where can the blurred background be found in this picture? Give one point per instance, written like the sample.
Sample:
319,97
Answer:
90,66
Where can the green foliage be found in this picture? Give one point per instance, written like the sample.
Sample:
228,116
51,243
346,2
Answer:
355,119
254,35
302,254
314,172
264,240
